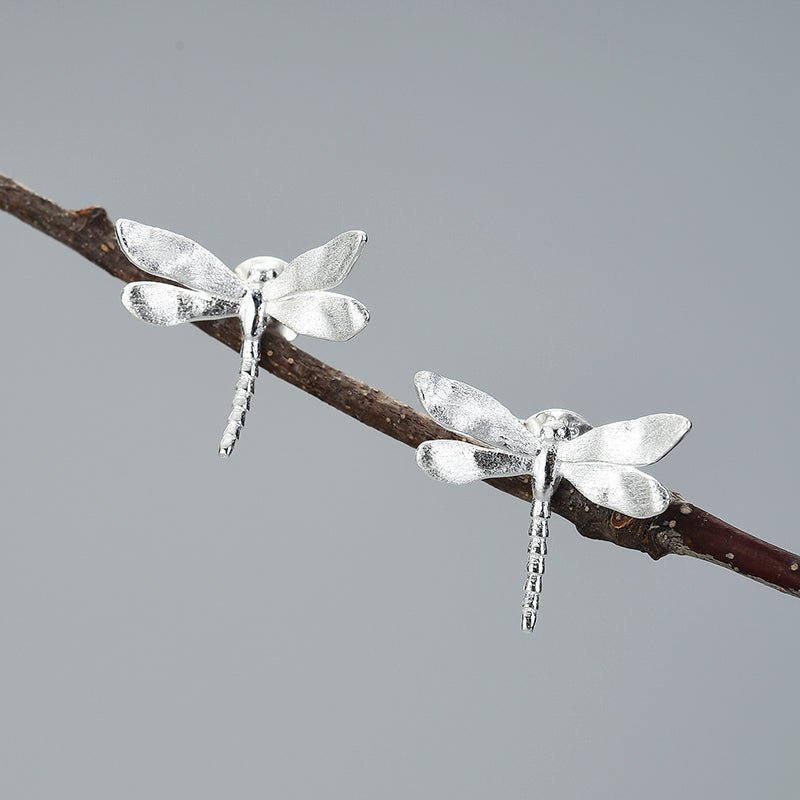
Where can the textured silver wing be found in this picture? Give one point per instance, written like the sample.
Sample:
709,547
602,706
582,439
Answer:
325,315
460,462
164,304
169,255
635,441
464,409
321,268
621,488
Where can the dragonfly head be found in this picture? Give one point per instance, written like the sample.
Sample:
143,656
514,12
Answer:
257,271
557,424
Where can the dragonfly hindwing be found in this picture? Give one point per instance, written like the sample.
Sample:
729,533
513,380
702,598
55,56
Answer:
325,315
460,462
620,488
164,304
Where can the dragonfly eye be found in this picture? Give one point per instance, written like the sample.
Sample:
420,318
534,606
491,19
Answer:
553,429
557,423
260,269
263,275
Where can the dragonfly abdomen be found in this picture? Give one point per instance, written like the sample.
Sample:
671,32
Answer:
537,550
245,388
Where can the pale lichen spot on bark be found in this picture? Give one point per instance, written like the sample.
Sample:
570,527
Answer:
685,509
731,556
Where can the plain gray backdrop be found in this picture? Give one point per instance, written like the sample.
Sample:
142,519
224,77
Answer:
590,205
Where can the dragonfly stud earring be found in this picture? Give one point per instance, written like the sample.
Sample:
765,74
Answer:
261,291
600,462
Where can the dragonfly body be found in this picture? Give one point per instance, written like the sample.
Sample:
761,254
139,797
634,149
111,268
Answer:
253,308
255,319
600,462
549,427
262,292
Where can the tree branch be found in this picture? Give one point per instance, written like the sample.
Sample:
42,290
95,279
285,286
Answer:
683,529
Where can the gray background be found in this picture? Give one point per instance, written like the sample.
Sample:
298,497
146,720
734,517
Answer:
591,205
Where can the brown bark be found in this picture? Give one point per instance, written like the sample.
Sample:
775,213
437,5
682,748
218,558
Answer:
683,529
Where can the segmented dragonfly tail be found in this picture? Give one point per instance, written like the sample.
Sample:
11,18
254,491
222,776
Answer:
245,387
537,550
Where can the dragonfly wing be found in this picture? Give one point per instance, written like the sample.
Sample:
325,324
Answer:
321,268
164,304
325,315
621,488
460,462
635,441
169,255
464,409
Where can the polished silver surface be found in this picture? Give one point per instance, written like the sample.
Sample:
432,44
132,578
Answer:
262,292
245,389
600,462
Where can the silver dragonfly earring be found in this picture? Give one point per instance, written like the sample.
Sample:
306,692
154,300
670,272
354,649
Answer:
261,292
600,462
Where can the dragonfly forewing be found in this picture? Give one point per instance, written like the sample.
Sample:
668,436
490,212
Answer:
620,488
164,304
461,462
462,408
325,315
172,256
322,268
636,442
